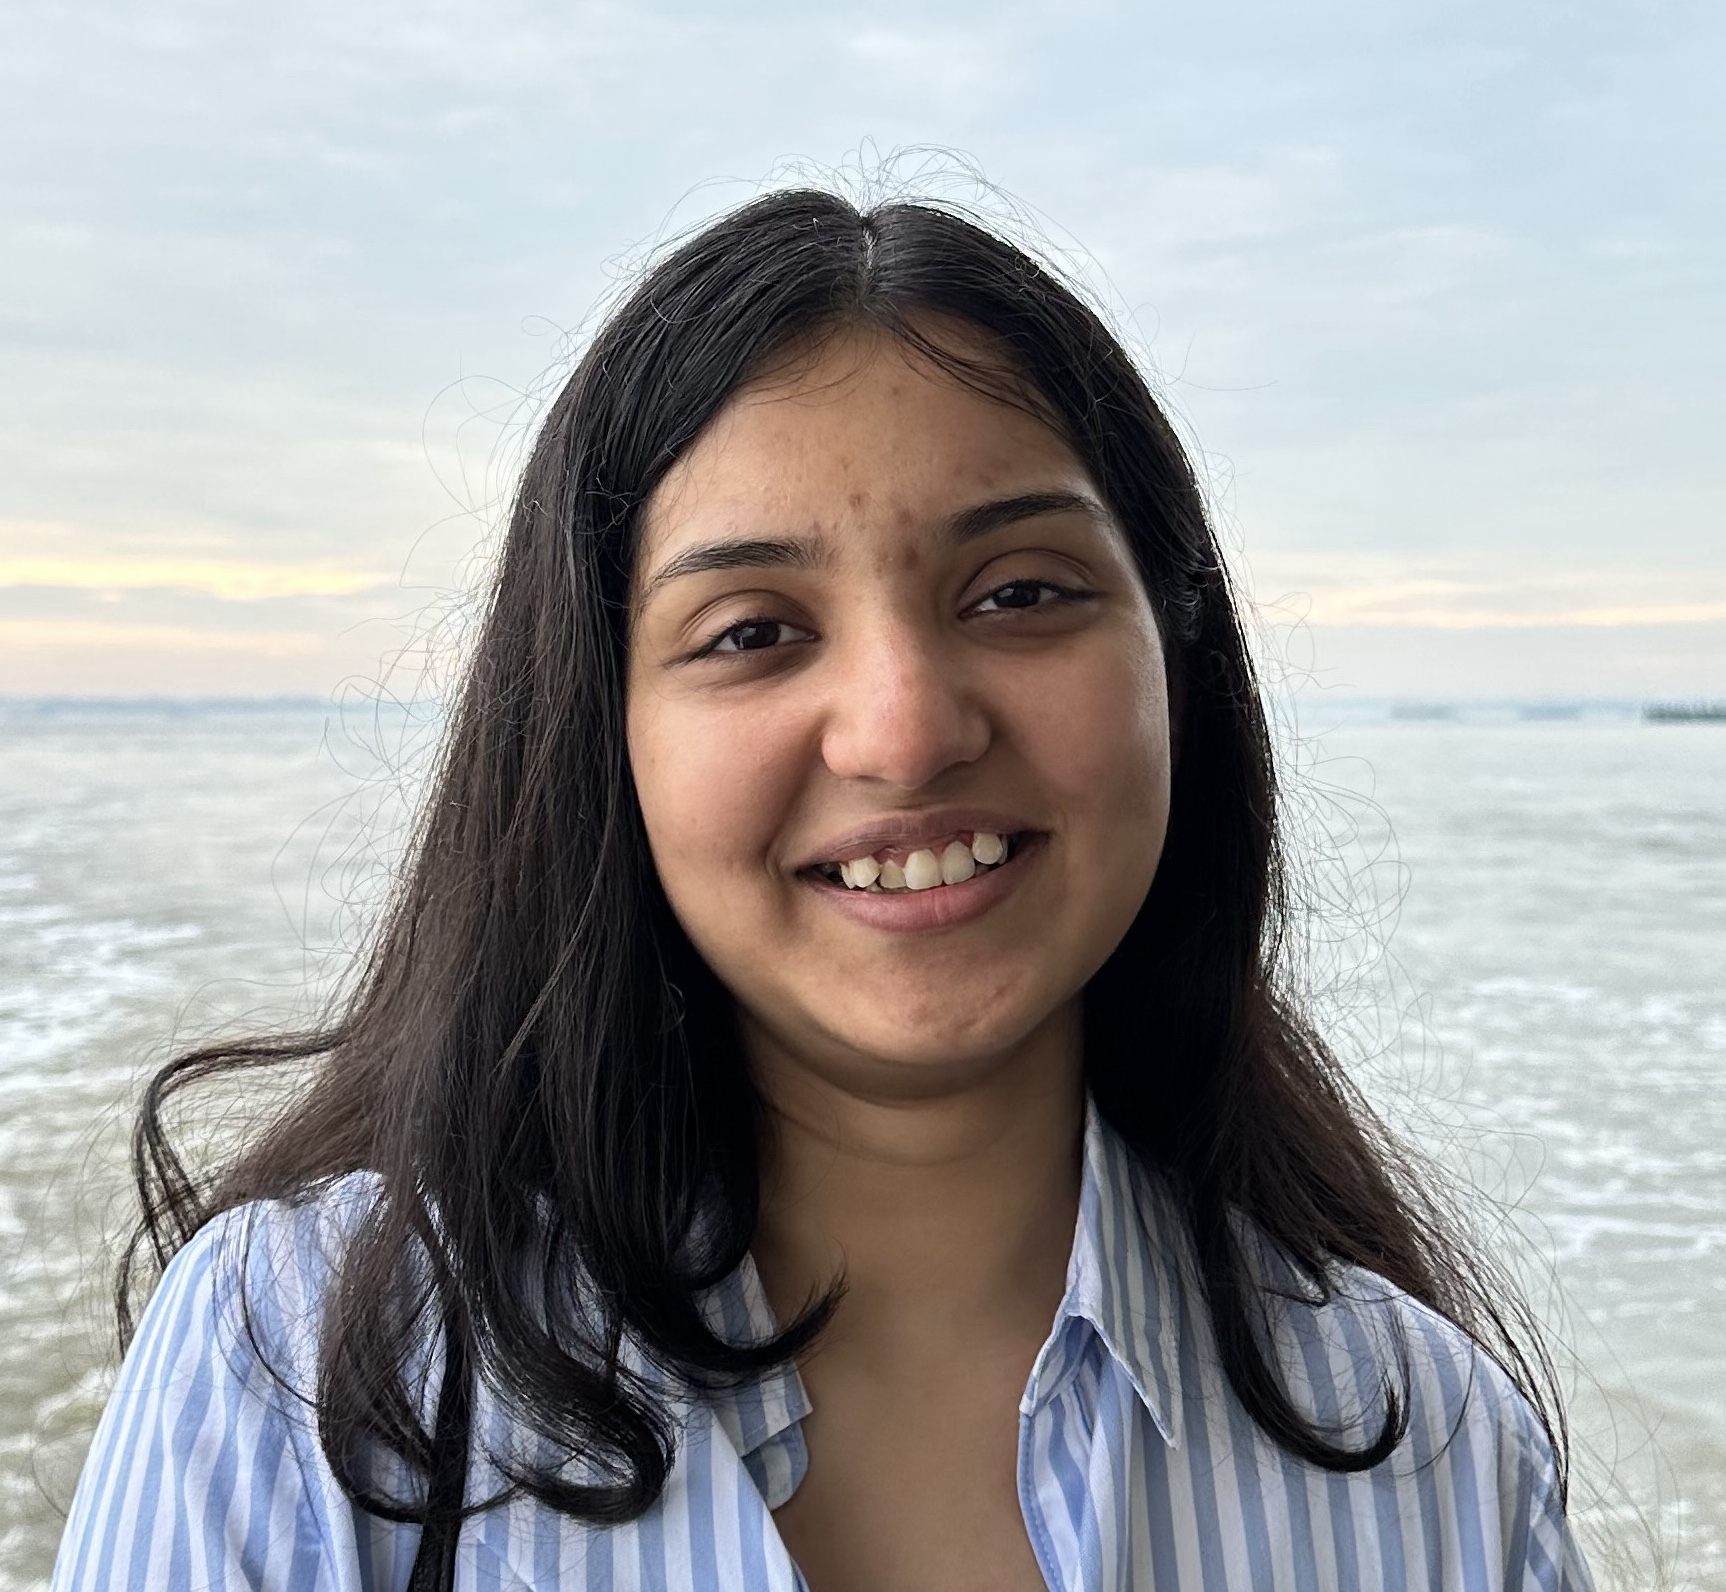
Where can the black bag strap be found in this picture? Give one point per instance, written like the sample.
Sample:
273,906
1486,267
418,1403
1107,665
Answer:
446,1485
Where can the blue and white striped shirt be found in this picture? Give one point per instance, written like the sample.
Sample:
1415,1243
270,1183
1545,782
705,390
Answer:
1138,1468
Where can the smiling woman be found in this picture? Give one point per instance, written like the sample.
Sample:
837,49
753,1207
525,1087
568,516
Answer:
822,1110
950,641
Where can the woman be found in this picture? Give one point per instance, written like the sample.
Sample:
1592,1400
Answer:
821,1110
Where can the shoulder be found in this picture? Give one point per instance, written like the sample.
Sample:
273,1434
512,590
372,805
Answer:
1455,1391
205,1468
250,1284
1475,1450
1471,1494
1347,1350
255,1280
1346,1346
1472,1434
1476,1475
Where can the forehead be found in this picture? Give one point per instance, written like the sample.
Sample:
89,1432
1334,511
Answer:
858,429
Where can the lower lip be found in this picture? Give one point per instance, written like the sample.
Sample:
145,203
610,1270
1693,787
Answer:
946,906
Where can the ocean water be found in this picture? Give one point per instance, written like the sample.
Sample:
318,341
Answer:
1523,930
1515,928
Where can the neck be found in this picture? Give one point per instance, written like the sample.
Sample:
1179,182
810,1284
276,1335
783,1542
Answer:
949,1214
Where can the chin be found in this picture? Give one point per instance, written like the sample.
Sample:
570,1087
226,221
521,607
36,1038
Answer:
920,1056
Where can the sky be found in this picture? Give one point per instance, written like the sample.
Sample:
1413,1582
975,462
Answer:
1436,293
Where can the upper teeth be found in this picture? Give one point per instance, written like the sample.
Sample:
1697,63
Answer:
924,869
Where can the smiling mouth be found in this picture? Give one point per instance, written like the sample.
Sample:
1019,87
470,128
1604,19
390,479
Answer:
893,870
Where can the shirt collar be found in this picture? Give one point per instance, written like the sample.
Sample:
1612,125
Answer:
1124,1282
753,1413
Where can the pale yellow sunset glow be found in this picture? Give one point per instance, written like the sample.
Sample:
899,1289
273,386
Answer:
229,579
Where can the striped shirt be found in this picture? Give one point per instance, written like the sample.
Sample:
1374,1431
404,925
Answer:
1138,1467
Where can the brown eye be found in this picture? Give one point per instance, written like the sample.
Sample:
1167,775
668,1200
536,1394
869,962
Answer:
756,635
1025,596
751,638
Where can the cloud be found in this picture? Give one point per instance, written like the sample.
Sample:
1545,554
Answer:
232,581
1369,609
1477,594
86,635
1415,285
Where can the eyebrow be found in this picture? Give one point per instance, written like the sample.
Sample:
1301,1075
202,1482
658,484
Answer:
746,552
778,552
979,520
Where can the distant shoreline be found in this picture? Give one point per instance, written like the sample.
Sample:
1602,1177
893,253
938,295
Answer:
164,704
1305,708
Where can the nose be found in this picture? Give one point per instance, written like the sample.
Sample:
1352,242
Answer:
901,711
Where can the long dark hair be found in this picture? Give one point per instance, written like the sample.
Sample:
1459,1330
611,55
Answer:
545,1079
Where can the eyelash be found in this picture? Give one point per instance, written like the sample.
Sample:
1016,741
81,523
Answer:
1062,594
716,647
713,648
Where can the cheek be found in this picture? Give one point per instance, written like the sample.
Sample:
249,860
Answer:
1103,736
712,786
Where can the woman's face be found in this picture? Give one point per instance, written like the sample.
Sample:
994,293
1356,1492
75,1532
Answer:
897,717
